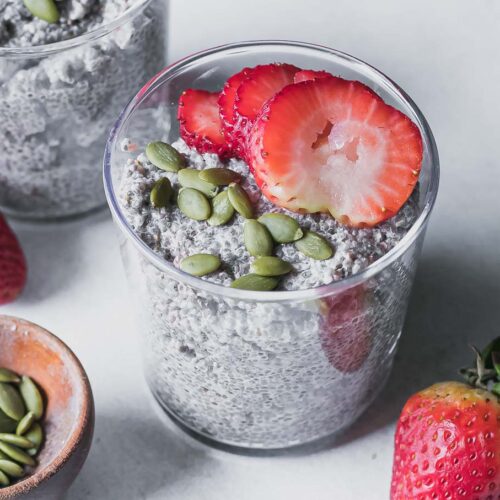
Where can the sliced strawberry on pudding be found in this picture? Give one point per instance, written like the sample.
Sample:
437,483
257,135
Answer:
260,85
345,331
200,124
226,107
309,74
332,145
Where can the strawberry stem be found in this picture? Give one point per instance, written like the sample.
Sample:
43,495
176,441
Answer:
485,374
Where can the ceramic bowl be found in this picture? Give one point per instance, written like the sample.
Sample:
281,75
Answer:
31,350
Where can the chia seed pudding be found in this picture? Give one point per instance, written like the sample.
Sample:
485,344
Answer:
230,360
262,374
173,236
58,101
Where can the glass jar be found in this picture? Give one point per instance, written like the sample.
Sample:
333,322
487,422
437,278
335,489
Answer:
57,104
264,370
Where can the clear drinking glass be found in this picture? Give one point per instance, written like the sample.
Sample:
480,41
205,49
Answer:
57,104
264,369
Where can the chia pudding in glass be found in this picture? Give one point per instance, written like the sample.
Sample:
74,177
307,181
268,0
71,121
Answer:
271,280
66,70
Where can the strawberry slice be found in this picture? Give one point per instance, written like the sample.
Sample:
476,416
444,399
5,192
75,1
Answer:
200,124
332,145
261,83
226,107
345,332
309,74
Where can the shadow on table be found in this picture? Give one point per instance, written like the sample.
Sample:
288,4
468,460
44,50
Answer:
454,303
54,252
133,458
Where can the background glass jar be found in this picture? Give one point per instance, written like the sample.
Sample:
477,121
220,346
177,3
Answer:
264,369
57,104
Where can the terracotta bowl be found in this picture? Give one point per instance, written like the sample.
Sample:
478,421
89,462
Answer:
69,418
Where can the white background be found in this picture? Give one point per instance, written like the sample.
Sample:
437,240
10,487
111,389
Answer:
446,55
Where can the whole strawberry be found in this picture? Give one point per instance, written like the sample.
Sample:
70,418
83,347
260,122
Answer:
12,264
447,444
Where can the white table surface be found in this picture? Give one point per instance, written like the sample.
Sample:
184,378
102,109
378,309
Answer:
445,54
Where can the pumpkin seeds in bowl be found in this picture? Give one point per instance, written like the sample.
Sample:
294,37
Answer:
21,434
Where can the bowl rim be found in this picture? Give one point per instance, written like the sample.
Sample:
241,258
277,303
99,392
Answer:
33,51
284,296
84,418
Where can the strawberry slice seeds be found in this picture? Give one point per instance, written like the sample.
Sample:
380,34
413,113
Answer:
200,123
226,108
332,145
261,84
310,74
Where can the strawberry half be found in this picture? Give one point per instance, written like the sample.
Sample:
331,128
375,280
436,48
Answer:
12,264
309,74
332,145
226,108
345,330
200,124
260,85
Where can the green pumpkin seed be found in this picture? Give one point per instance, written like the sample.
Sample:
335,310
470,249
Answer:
270,266
4,480
255,282
11,468
7,375
161,193
10,402
240,200
190,178
314,246
283,228
258,240
7,424
46,10
222,210
32,396
220,176
19,441
25,423
35,435
200,264
194,204
164,156
16,454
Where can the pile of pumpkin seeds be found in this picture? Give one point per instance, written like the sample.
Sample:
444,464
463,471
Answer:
21,435
214,195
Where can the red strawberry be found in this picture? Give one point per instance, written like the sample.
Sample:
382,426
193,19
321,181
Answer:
261,83
226,107
200,123
447,444
332,145
12,264
309,74
345,331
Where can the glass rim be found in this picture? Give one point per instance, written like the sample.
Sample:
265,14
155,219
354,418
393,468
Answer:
90,36
282,295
